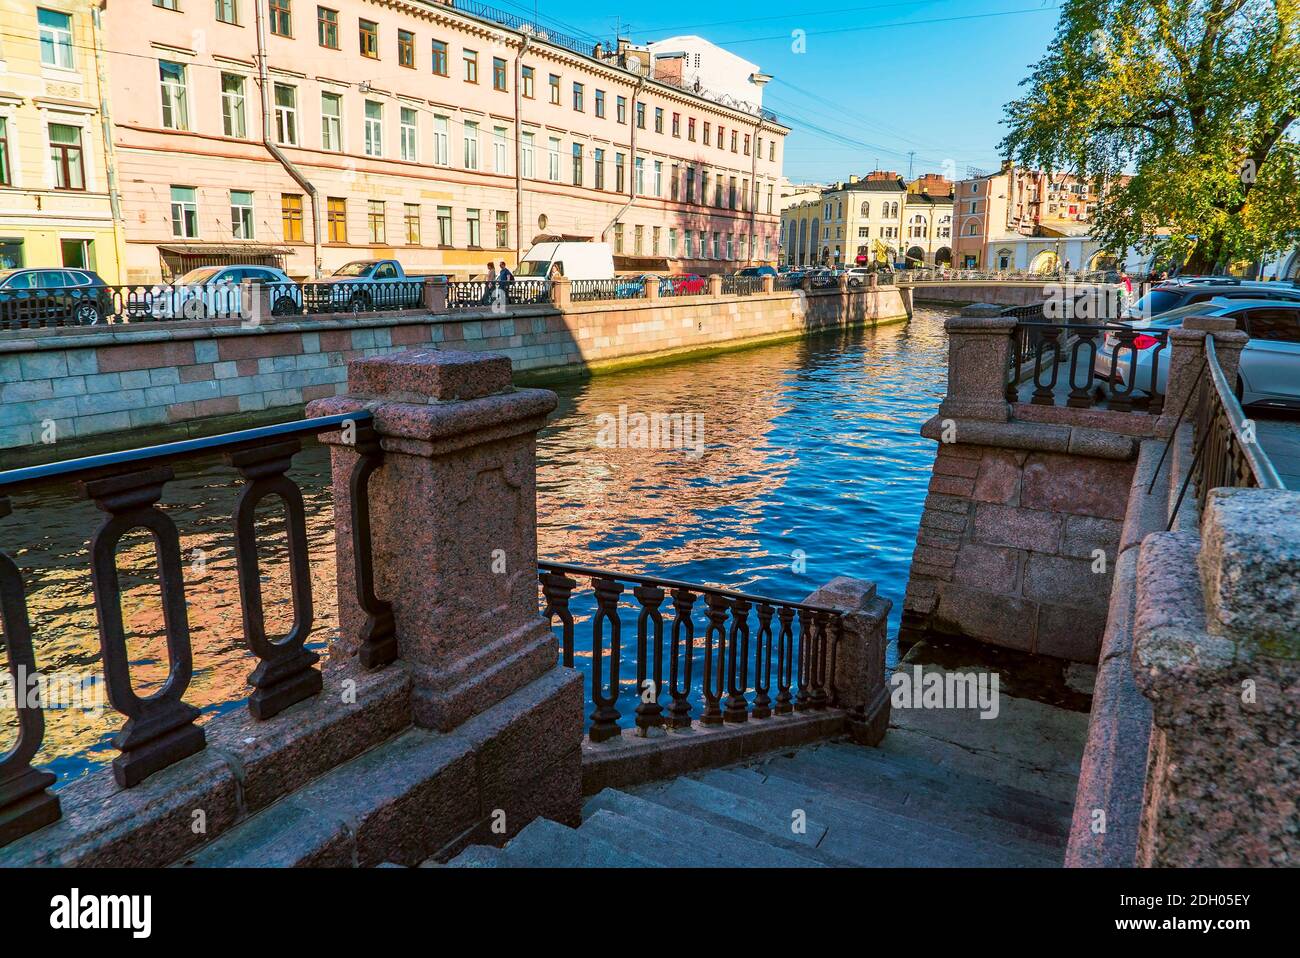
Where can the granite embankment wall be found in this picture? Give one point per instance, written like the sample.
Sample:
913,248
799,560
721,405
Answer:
1009,293
57,385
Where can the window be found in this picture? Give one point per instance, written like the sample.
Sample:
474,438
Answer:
65,154
406,49
503,229
375,221
769,199
672,241
731,194
1280,324
704,187
618,237
689,249
577,164
185,213
374,128
771,151
654,241
472,225
291,216
639,164
56,38
600,104
717,248
233,121
577,97
331,121
77,253
659,178
470,58
675,188
411,223
690,184
410,135
175,97
554,81
677,124
6,177
526,154
281,20
286,114
167,4
440,58
327,27
619,182
498,73
241,214
733,141
746,151
499,162
553,159
659,120
336,217
690,129
638,241
620,109
527,83
722,134
441,141
444,226
368,35
640,116
227,11
471,146
598,159
707,133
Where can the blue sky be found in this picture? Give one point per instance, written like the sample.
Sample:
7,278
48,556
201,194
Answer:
879,78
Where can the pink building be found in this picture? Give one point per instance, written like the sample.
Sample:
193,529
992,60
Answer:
412,129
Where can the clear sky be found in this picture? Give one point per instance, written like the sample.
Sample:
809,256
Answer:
877,78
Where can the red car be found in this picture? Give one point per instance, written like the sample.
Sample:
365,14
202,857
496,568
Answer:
687,283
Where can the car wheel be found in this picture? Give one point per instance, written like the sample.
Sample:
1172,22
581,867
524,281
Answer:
359,303
284,306
87,314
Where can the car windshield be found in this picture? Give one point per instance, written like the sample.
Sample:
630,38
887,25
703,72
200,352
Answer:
532,267
197,277
358,268
1156,302
1175,317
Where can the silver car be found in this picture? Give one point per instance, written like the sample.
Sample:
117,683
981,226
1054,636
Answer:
1270,363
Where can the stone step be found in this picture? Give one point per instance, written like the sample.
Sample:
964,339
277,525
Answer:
1023,813
863,833
974,807
677,838
476,856
543,843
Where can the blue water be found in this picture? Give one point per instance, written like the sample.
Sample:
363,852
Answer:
811,449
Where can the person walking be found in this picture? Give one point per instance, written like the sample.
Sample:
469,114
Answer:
490,286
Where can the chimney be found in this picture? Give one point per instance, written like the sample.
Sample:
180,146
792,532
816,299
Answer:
853,178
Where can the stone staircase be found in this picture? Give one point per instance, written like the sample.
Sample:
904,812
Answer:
857,806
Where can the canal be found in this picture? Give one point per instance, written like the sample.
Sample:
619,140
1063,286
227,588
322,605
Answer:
809,465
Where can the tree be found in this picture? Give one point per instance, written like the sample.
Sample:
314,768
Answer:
1183,111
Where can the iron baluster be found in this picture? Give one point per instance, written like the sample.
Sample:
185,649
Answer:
25,805
604,717
649,713
286,673
803,673
1121,400
1044,391
737,706
820,642
836,636
715,666
784,660
1080,397
379,631
763,663
679,711
557,588
160,729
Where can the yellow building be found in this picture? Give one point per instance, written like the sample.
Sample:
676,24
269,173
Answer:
56,180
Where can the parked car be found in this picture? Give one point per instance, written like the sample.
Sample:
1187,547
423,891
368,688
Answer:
366,284
683,284
1270,363
37,296
577,260
633,287
756,271
1171,294
216,292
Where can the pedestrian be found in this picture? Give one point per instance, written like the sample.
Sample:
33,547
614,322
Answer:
505,277
1128,283
490,286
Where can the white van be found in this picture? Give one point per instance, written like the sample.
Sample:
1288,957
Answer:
576,261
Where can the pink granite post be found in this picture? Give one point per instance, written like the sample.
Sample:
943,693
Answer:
454,524
979,355
715,284
1187,369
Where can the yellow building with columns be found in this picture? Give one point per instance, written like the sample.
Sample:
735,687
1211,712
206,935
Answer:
56,178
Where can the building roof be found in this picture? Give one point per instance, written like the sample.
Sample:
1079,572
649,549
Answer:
871,186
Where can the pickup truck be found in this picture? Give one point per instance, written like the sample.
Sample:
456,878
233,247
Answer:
366,284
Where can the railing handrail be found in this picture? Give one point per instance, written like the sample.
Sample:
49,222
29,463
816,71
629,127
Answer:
589,572
13,479
1261,467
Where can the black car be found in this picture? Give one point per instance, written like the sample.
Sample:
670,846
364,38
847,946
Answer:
1184,291
36,297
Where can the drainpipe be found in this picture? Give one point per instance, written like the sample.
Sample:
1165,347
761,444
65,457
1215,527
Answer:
269,142
756,195
519,154
631,171
110,156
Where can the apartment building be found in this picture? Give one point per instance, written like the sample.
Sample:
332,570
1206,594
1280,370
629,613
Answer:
56,207
876,218
311,134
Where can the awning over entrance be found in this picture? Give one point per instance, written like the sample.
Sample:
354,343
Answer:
178,259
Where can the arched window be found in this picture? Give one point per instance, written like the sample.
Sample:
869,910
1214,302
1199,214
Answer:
866,209
972,229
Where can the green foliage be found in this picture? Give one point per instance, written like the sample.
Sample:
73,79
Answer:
1184,111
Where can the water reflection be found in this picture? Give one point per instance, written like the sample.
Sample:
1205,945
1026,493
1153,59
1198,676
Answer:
811,449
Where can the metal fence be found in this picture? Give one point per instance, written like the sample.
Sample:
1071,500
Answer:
160,730
483,294
590,290
1110,365
729,643
741,285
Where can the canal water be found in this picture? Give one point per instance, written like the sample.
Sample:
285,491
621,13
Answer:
804,462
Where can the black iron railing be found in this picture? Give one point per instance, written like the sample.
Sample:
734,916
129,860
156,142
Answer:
482,294
592,290
741,285
1111,365
802,638
346,297
159,730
